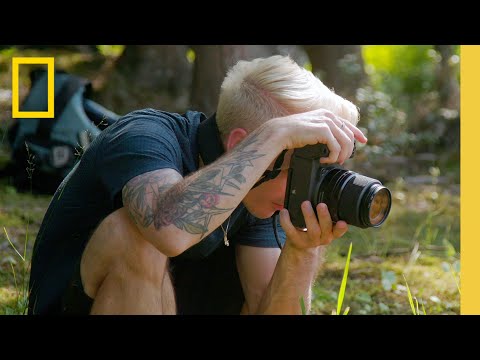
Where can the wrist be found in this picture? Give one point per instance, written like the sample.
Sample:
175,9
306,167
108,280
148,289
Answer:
301,254
277,135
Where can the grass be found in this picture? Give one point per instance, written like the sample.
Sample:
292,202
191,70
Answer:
410,300
341,293
20,219
375,275
420,240
20,299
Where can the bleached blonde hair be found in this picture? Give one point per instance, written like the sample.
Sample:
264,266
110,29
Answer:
264,88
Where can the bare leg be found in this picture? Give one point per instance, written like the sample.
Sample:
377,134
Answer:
123,272
168,296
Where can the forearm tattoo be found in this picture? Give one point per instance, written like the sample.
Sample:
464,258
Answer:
189,205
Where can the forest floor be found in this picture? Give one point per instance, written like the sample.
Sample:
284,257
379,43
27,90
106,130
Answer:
419,243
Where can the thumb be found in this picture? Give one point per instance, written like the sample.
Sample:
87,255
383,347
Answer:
286,223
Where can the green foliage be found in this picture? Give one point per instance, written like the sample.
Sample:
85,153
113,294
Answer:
400,108
401,69
384,124
190,55
6,57
111,50
388,280
308,66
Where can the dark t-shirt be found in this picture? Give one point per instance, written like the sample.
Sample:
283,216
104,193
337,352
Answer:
205,276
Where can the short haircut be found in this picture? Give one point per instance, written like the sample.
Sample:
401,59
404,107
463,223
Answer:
264,88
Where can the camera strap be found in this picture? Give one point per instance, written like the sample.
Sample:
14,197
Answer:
272,174
211,148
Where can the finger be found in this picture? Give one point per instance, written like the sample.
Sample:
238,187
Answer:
342,125
346,144
340,228
351,146
311,222
286,223
349,132
332,144
325,223
357,133
350,135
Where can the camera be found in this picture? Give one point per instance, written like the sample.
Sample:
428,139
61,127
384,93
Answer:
357,199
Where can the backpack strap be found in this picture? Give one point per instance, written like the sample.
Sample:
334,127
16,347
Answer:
68,89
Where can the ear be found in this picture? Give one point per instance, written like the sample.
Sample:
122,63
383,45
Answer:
234,137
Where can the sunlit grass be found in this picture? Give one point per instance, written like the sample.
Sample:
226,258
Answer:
410,299
13,246
455,278
414,307
419,239
341,293
22,288
430,276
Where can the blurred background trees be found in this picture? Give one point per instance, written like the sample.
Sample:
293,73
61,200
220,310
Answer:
408,96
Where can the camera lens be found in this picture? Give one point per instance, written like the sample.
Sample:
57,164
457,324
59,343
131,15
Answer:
379,206
357,199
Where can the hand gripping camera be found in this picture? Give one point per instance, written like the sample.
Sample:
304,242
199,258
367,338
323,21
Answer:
357,199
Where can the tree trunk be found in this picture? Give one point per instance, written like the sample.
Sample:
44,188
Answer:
448,86
447,126
157,76
210,68
340,67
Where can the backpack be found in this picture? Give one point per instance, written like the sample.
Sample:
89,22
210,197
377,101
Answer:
53,146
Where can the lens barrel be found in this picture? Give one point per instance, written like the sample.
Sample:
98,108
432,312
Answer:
357,199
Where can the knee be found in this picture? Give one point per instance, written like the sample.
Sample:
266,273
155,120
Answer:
141,259
135,254
118,249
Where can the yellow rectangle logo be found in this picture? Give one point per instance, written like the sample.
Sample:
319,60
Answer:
16,62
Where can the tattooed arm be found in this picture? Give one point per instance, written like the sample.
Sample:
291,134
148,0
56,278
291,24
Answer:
175,213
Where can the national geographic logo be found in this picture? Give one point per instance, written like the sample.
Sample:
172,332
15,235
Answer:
16,62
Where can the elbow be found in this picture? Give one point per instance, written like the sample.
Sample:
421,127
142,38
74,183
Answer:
171,248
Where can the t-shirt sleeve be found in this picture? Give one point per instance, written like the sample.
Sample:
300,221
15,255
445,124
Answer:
259,233
134,147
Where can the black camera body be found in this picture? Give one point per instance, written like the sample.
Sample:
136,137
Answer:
357,199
